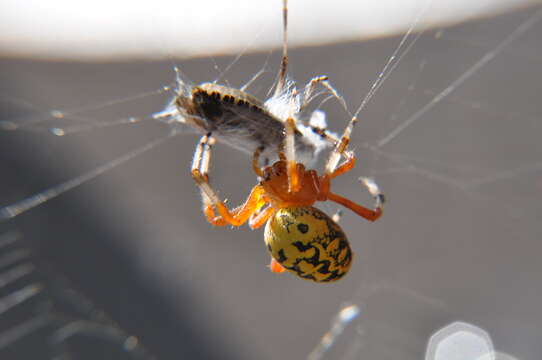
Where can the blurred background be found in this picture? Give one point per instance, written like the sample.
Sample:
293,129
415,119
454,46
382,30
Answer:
126,266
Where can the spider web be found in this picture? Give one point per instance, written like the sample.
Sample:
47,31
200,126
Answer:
452,137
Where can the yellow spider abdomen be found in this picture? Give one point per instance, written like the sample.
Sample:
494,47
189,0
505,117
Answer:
306,242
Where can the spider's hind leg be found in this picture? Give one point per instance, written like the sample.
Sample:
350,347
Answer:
334,168
369,214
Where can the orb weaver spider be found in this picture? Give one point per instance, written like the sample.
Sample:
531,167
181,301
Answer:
300,238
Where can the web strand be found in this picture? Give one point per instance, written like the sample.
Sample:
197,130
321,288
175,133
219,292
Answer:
520,30
31,202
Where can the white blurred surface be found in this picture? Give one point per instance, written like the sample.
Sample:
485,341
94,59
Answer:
106,30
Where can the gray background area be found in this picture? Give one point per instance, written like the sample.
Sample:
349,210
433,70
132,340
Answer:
459,240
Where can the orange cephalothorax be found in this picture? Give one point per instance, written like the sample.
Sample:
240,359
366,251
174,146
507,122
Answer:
276,185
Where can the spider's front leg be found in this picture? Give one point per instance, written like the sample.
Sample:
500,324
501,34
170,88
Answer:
211,201
369,214
333,169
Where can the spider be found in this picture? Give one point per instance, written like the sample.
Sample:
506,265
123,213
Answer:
300,238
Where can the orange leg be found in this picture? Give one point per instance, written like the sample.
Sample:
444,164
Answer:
362,211
373,189
211,216
237,216
258,219
345,167
340,149
211,201
275,267
217,220
325,180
